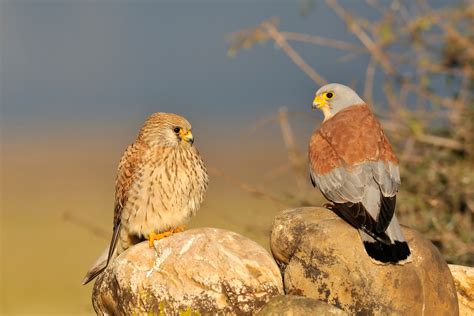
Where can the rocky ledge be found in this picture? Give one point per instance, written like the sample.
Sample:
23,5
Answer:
199,271
322,257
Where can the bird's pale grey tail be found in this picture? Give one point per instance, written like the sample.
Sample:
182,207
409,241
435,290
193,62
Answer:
97,267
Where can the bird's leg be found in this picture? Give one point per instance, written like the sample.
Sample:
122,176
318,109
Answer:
152,236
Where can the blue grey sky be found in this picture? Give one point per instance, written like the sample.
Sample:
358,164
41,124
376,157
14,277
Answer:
100,60
85,59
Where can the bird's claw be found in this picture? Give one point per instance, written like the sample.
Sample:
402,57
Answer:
152,236
329,206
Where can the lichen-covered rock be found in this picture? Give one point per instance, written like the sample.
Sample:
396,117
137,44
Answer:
322,257
291,305
203,270
464,282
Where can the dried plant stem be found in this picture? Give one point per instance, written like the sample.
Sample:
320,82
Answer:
369,81
248,188
424,138
295,57
319,40
87,224
294,155
364,38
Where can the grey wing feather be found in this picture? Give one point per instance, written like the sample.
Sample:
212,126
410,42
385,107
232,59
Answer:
368,184
341,186
387,176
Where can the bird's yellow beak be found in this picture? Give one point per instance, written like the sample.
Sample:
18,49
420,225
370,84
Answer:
319,102
187,136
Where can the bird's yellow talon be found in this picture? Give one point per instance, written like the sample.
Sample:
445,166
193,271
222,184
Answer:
152,237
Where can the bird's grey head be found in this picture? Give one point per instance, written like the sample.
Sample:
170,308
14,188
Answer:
335,97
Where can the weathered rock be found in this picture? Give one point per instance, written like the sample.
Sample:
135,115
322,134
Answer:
464,282
289,305
203,270
322,257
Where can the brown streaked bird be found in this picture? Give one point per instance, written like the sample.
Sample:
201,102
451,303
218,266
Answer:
160,184
353,165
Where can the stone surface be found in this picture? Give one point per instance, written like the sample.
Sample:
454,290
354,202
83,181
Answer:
203,270
289,305
322,257
464,282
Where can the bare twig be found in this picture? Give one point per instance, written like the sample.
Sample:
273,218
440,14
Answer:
262,122
455,35
365,39
273,118
281,41
348,57
424,138
270,175
294,155
440,142
248,188
323,41
86,224
369,82
377,53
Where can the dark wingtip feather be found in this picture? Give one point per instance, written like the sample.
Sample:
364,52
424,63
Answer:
91,275
387,209
392,253
356,215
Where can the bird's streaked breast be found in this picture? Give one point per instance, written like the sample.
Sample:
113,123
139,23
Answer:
168,190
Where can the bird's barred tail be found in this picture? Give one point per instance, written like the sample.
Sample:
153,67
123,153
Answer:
397,251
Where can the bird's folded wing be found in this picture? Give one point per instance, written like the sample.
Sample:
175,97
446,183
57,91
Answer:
352,147
129,163
340,185
349,152
347,188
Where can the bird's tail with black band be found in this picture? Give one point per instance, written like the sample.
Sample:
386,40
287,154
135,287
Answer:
396,250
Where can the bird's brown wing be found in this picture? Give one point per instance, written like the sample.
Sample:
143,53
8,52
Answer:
345,155
129,163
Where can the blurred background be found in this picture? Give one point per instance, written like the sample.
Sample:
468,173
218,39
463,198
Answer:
78,78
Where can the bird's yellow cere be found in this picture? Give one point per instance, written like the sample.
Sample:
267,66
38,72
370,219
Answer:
186,135
320,102
321,99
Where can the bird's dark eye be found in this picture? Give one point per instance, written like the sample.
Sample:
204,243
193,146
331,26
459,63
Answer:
177,130
329,95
